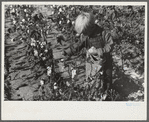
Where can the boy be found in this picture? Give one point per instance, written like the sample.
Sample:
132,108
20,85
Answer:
98,43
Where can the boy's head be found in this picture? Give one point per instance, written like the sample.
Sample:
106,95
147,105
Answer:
85,23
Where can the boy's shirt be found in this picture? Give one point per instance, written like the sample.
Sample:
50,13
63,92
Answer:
100,39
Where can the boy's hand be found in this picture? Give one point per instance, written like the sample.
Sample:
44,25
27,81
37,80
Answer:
92,50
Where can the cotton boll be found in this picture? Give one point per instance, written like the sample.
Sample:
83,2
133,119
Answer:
101,72
21,40
60,91
64,8
44,43
13,10
37,25
60,9
73,73
35,53
32,39
41,82
41,46
27,15
77,35
51,6
137,41
40,54
18,14
67,16
28,31
67,83
33,44
52,12
49,72
73,22
63,29
43,58
46,51
72,8
25,10
68,21
60,22
55,86
47,32
14,22
12,40
62,60
23,20
96,21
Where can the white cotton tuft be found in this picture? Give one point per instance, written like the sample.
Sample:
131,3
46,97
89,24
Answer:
14,22
12,40
96,21
44,58
25,10
41,82
52,12
55,86
49,71
73,22
23,20
72,8
68,21
46,51
28,31
60,9
60,22
73,73
67,83
35,53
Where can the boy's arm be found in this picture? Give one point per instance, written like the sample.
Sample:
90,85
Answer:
77,46
107,38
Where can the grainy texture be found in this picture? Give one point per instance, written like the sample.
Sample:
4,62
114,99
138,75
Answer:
23,72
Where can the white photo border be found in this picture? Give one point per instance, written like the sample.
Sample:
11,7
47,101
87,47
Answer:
76,110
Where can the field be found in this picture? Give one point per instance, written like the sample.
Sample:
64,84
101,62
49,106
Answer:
34,75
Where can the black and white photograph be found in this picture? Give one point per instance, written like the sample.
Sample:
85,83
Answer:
74,52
